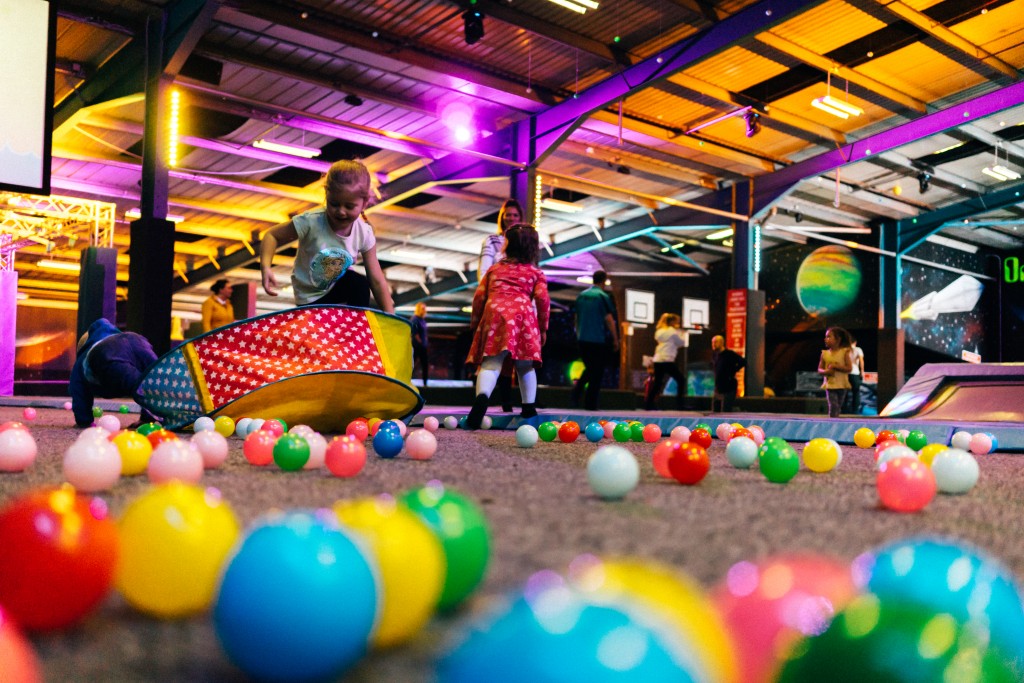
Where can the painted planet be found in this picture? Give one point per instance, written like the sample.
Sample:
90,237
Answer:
828,280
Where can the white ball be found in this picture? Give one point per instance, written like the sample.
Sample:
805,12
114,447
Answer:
451,422
961,440
175,460
242,427
680,433
955,470
212,446
93,433
526,436
612,472
203,424
110,423
255,425
741,452
92,465
892,452
18,450
317,451
486,422
430,423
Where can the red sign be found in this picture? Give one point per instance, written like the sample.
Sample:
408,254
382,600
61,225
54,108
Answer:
736,320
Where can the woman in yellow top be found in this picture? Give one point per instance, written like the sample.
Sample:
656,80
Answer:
217,309
835,365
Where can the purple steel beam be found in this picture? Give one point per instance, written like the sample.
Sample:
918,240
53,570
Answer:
774,186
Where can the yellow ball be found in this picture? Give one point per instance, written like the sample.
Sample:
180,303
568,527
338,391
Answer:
224,426
671,595
410,559
135,450
864,437
822,455
175,539
928,453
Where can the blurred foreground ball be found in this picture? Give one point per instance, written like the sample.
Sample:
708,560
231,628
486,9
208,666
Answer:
526,436
955,471
905,484
345,456
19,662
689,464
18,450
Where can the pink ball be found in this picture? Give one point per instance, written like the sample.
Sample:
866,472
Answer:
905,484
609,429
67,405
663,451
359,429
981,443
345,456
680,433
213,448
258,447
29,414
431,424
302,430
317,451
273,426
757,433
92,465
421,444
110,423
651,433
17,450
177,459
403,428
92,433
723,431
12,425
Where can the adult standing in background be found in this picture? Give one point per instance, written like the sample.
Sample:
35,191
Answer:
726,363
597,331
511,213
670,337
217,309
856,376
419,339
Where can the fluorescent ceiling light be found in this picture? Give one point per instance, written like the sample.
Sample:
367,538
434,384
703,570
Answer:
819,103
842,106
559,205
720,235
952,244
993,173
406,253
69,266
284,148
1008,172
136,213
570,4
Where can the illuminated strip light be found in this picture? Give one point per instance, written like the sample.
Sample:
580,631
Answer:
50,264
993,173
559,205
842,106
538,195
819,103
570,4
137,213
757,247
720,235
1008,172
173,128
283,148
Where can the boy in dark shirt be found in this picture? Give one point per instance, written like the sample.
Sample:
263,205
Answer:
727,363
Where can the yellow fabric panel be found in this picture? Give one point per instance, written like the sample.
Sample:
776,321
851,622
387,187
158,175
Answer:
394,344
198,378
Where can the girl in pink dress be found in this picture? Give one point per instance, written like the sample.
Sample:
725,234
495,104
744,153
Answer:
510,318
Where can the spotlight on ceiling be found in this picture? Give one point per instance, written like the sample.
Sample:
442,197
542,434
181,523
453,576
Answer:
353,100
474,23
752,119
923,181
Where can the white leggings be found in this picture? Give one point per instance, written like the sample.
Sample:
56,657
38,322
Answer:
490,369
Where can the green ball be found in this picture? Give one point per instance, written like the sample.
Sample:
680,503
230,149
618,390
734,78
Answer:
97,411
873,640
283,424
123,409
547,431
460,526
917,440
703,425
149,428
778,460
291,452
636,431
622,432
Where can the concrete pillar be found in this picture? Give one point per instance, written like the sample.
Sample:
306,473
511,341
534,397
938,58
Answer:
97,287
8,329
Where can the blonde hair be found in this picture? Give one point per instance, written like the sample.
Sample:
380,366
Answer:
421,309
668,320
346,173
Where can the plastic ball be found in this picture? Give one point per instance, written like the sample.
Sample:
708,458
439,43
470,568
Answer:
486,422
821,455
612,472
204,424
864,437
661,455
421,444
13,425
390,426
463,422
547,431
373,424
20,662
651,433
594,432
961,440
741,452
403,428
621,432
526,436
430,423
179,460
609,429
29,414
317,451
568,432
314,619
896,450
92,465
180,526
886,435
757,434
461,527
777,460
701,437
359,429
67,405
18,450
723,431
928,453
916,439
255,425
212,447
110,423
345,456
955,470
58,554
981,444
258,448
161,436
224,425
994,440
905,484
636,432
451,422
680,433
135,450
398,540
881,446
148,428
742,431
388,442
703,425
689,463
275,427
291,452
97,411
242,427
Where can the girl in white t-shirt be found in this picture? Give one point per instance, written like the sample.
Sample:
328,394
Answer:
330,239
670,339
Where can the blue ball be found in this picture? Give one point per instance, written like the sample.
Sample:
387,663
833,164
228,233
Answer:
526,436
594,432
741,452
202,424
387,443
462,421
954,578
389,426
298,600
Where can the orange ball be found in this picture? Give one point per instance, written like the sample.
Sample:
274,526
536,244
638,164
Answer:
568,431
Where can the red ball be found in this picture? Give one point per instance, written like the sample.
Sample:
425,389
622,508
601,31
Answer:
690,463
159,436
273,426
358,428
701,437
258,447
905,484
651,433
58,556
886,435
663,452
568,432
742,431
12,425
345,456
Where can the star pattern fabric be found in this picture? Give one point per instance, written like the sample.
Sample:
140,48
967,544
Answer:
169,390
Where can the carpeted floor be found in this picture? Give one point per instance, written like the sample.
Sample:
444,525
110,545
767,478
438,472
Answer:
542,515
